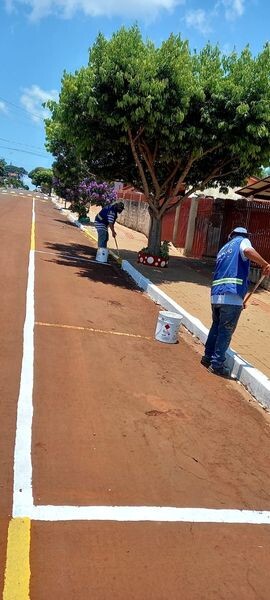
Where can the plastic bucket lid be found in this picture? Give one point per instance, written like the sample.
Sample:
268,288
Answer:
166,314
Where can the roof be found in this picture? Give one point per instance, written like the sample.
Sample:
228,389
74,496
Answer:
215,193
259,190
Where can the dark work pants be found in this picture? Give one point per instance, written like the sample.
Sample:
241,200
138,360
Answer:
225,318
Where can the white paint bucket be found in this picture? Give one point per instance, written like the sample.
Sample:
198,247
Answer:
102,255
168,325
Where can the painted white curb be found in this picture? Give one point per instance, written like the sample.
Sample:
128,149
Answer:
251,378
256,382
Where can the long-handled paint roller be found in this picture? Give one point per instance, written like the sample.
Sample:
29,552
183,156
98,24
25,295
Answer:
254,290
119,259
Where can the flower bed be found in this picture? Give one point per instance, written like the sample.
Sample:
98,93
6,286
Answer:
151,260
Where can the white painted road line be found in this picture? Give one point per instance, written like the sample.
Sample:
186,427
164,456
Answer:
23,505
164,514
22,490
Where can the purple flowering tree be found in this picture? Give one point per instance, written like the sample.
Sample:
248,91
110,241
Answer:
84,194
92,192
68,193
99,194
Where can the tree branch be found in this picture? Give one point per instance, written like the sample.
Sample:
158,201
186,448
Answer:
216,147
180,199
171,176
215,172
227,173
141,171
185,172
155,152
149,161
174,205
141,130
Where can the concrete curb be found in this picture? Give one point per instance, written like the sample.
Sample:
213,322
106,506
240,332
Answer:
251,378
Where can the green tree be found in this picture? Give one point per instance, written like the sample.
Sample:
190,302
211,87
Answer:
69,170
165,119
42,178
19,171
15,183
11,175
2,167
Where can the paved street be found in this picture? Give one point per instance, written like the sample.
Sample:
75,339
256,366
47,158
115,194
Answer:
132,464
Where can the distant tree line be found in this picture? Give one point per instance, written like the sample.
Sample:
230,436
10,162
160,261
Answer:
12,175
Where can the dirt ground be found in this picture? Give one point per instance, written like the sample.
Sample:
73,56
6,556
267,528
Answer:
122,420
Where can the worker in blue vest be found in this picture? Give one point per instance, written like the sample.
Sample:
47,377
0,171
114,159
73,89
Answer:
229,287
105,220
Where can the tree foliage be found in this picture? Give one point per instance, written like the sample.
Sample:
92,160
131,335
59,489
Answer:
11,175
42,177
165,119
19,171
2,167
7,169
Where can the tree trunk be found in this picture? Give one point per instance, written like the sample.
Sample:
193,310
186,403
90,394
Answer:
154,238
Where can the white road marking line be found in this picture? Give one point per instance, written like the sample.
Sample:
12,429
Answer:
162,514
23,505
22,490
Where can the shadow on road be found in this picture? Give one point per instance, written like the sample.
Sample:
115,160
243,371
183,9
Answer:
83,256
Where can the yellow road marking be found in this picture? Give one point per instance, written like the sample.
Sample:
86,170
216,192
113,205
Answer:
17,573
93,330
93,237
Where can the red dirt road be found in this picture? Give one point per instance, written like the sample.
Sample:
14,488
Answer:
124,421
13,271
146,561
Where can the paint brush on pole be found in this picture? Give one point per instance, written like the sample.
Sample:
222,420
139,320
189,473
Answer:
119,259
248,296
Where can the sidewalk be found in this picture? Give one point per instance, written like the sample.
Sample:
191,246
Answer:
188,281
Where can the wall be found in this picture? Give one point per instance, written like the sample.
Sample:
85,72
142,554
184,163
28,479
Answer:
174,222
255,216
135,216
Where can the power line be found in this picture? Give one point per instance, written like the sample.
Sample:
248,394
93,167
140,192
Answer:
17,118
25,151
29,112
21,144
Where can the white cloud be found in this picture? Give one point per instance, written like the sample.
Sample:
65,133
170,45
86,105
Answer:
95,8
198,19
3,107
32,100
203,21
233,9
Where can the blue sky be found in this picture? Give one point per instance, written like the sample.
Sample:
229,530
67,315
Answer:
39,39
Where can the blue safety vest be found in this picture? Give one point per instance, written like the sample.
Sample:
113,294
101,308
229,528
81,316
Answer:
102,216
231,273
